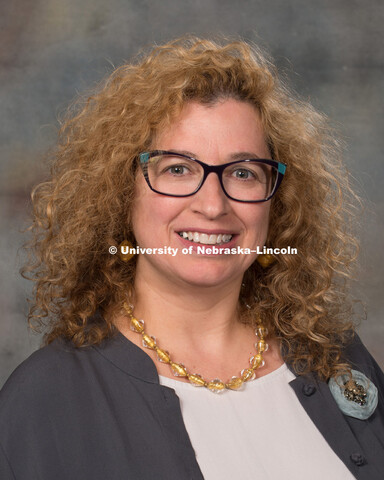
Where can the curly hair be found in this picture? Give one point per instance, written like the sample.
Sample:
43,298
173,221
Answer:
86,205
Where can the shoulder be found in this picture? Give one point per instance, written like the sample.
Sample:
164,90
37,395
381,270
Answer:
45,360
357,355
43,357
359,358
49,367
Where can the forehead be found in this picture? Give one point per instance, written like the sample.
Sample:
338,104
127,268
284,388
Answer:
227,127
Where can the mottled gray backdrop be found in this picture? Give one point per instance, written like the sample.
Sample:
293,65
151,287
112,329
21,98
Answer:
331,50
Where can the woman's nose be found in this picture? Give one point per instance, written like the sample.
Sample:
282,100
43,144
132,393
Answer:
211,200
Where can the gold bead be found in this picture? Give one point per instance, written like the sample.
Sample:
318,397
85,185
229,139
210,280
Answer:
266,259
247,374
261,346
137,325
262,332
178,369
235,383
129,247
128,307
197,380
216,386
256,361
162,355
149,342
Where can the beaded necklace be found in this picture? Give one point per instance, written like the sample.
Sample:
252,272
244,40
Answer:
179,370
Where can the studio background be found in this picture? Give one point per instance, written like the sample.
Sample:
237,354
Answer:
331,52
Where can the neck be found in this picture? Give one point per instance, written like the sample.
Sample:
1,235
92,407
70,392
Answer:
193,315
198,328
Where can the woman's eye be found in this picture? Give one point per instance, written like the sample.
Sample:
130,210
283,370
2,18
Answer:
177,170
244,174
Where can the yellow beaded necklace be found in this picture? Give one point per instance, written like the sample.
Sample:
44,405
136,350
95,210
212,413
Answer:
179,370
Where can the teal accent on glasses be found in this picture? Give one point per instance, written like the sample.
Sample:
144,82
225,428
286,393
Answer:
281,168
144,157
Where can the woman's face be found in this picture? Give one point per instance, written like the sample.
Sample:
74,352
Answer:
230,130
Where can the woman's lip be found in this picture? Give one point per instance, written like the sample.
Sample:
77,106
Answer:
188,243
208,232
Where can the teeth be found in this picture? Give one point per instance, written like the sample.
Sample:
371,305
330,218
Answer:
212,239
206,239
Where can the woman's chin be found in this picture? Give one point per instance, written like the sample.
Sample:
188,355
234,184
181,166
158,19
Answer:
192,270
203,275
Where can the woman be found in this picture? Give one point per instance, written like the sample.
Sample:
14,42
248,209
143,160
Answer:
195,147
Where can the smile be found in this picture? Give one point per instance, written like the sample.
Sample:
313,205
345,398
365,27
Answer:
206,239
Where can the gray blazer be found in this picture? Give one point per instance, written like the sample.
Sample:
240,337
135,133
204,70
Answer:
100,413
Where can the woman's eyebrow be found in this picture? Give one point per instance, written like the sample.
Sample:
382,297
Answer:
184,152
243,156
231,157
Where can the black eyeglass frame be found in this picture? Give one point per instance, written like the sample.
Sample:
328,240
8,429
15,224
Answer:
218,169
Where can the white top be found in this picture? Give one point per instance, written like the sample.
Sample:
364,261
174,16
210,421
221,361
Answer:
260,432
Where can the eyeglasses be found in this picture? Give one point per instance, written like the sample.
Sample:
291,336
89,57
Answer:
177,175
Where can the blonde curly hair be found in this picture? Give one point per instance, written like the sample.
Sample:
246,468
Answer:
86,205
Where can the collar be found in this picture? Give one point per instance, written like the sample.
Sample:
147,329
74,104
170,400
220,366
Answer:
131,359
126,356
